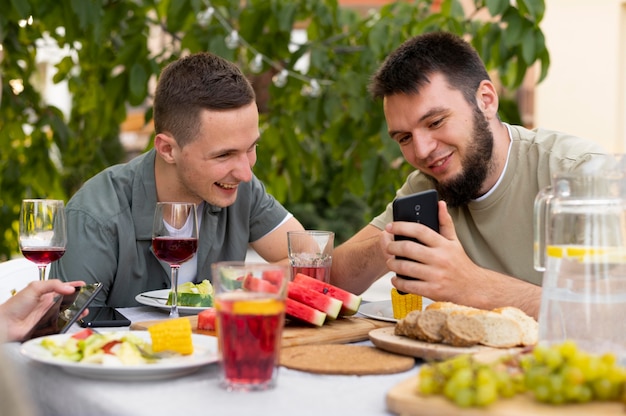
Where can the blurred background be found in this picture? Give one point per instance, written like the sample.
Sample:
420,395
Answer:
78,76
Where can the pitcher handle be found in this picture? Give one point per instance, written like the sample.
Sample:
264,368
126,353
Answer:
540,223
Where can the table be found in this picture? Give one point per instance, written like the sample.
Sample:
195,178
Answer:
297,393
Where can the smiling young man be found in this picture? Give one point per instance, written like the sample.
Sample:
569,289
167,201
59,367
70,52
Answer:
442,109
206,123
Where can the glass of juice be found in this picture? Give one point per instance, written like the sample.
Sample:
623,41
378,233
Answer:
250,304
311,253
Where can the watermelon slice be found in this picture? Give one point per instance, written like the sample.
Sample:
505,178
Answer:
329,305
206,319
293,308
304,313
350,301
259,285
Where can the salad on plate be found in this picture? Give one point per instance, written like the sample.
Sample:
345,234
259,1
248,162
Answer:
107,348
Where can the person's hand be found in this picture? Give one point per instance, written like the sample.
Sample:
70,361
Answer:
442,268
446,273
22,311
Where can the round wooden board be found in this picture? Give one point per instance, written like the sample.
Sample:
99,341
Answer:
344,359
385,339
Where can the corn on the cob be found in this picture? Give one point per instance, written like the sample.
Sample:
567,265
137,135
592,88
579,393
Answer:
403,304
172,335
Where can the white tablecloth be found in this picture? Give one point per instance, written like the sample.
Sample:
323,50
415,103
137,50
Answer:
297,393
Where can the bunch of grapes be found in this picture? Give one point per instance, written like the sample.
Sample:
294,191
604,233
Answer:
556,374
565,374
468,382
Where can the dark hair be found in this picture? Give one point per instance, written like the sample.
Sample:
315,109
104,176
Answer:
193,83
407,69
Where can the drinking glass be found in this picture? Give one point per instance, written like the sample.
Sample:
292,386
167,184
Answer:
42,232
250,302
311,253
175,239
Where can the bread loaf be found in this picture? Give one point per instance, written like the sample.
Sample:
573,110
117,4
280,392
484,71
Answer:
500,331
464,326
430,323
462,330
530,327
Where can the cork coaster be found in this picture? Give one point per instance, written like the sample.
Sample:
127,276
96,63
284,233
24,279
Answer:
344,359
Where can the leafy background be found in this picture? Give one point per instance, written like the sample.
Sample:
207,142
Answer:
325,156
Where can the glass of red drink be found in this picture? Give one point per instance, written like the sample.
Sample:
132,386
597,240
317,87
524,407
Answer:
311,253
42,232
250,304
175,239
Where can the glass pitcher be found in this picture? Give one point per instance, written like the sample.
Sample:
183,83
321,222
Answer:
580,245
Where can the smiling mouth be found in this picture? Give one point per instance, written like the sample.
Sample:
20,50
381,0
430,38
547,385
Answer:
225,185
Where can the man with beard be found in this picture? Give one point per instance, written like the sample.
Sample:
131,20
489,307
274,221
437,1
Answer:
441,108
207,130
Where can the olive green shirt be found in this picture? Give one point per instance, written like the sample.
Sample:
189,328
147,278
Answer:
497,231
109,231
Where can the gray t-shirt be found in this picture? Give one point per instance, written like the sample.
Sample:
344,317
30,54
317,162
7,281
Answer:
109,225
497,231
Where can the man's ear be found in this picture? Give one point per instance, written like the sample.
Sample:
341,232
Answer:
165,146
487,99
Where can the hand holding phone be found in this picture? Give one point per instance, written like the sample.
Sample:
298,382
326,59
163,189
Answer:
420,207
65,311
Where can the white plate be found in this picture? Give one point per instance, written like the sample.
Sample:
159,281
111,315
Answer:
205,352
380,310
383,311
158,299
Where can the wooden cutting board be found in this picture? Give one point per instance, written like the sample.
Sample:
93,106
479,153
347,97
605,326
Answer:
402,399
340,331
385,339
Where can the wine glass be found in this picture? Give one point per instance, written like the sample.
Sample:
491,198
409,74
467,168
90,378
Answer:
42,232
175,239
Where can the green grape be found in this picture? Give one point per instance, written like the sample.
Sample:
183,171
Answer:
572,375
541,392
465,397
427,385
555,374
486,394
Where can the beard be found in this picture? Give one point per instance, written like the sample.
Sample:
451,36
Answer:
465,187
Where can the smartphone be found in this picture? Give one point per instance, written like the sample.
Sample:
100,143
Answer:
420,207
65,311
104,316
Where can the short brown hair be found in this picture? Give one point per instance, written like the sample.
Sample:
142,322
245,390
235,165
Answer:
407,69
193,83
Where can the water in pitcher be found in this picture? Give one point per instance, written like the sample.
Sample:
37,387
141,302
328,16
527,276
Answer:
584,285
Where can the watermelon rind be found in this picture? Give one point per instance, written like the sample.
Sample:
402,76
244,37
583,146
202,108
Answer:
304,313
350,301
329,305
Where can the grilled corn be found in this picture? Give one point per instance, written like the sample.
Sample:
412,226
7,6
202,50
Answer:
403,304
172,335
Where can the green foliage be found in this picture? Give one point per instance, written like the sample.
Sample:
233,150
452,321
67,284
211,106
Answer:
326,157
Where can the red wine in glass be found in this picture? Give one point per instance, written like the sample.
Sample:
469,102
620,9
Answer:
42,232
174,250
175,239
43,255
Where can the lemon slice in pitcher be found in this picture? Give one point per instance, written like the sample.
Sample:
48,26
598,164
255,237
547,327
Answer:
588,254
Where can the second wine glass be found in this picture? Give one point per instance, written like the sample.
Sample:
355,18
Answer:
42,232
175,239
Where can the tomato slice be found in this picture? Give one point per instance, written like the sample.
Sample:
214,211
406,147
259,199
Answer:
85,333
109,345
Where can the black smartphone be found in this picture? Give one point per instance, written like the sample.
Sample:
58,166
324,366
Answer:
104,316
65,311
420,207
